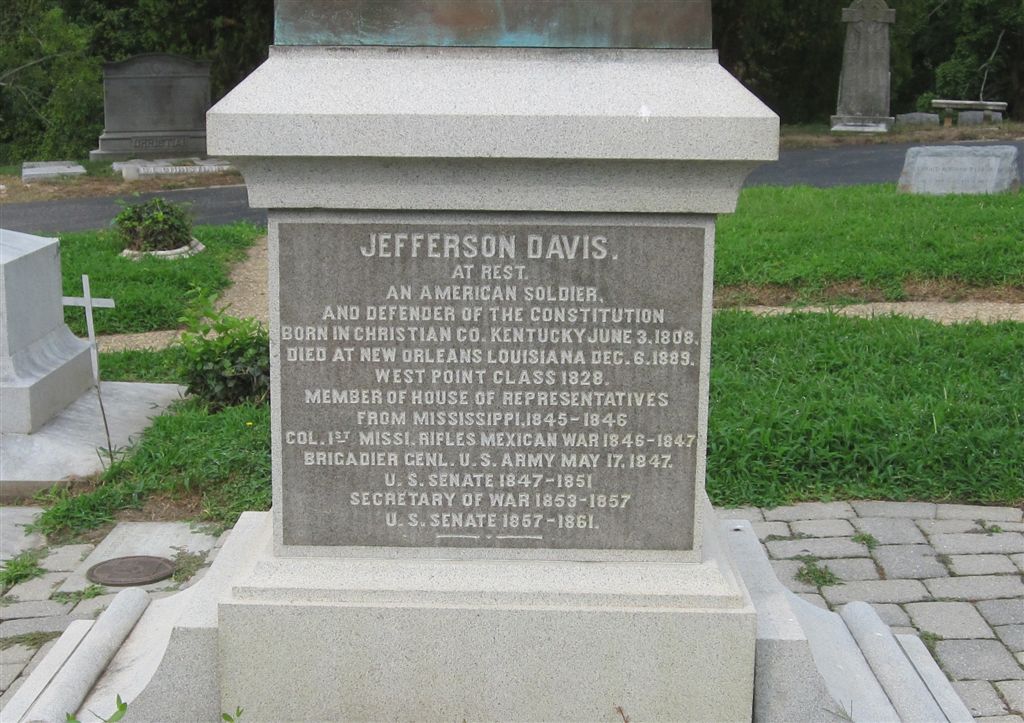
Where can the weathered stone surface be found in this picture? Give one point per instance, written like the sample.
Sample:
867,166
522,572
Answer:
764,530
33,609
154,106
826,547
14,540
942,527
864,82
890,530
976,587
9,693
93,606
977,660
9,673
1012,637
1018,560
980,697
40,655
367,261
1002,612
977,117
39,588
65,558
159,539
751,514
18,654
811,511
45,367
1013,691
32,171
918,119
1001,719
854,568
1004,543
786,571
10,628
881,591
909,561
943,170
949,619
663,24
916,510
892,614
822,528
813,599
981,565
978,512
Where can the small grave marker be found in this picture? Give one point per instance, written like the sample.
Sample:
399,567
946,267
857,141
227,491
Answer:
89,303
941,170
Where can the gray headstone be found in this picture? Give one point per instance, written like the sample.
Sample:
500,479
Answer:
154,106
940,170
864,84
43,366
977,117
918,119
48,170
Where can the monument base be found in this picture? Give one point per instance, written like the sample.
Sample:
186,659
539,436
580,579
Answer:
861,124
45,379
149,145
464,639
810,664
43,366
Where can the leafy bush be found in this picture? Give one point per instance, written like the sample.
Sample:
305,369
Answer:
225,360
155,225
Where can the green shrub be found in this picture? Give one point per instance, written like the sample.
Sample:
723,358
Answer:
155,225
225,360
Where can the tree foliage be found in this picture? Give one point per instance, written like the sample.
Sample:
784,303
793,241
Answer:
788,52
52,51
49,104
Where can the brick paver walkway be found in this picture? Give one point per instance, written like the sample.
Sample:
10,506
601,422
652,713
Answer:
954,574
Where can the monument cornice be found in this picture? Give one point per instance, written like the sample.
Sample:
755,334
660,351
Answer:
347,121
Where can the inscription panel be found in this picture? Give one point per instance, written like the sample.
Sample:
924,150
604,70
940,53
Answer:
492,386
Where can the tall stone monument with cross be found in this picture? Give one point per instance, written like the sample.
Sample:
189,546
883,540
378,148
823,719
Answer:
491,230
864,86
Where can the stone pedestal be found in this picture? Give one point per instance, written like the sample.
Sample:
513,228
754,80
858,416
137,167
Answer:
864,85
414,640
43,366
428,559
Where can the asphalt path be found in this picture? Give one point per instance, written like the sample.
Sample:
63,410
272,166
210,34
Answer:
820,167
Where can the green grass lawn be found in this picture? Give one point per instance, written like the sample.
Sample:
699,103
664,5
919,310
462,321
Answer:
152,293
808,238
803,407
822,407
800,239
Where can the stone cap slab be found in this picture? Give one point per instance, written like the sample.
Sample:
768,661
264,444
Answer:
495,23
486,103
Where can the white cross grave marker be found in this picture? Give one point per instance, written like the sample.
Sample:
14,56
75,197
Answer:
90,303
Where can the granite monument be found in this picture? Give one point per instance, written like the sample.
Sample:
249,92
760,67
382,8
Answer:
491,235
864,85
154,106
43,366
